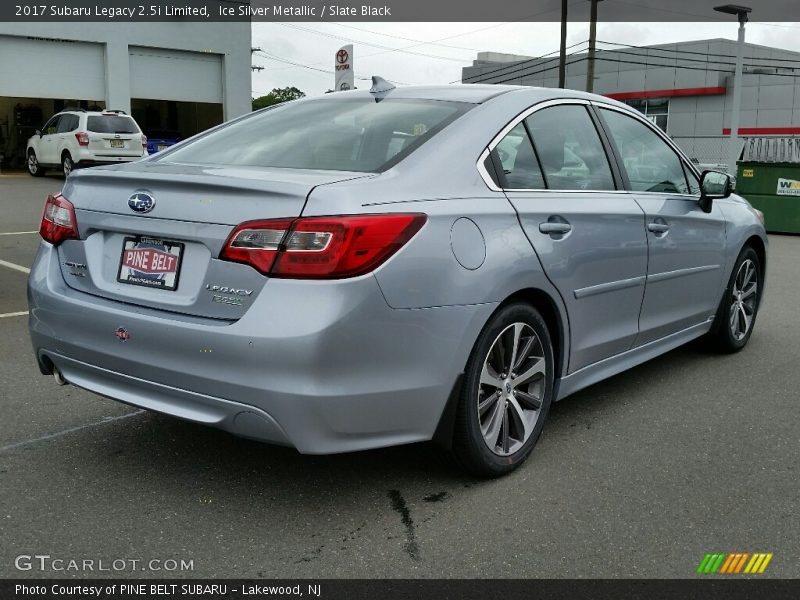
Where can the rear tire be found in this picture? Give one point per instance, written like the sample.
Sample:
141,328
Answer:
506,394
34,168
66,164
737,311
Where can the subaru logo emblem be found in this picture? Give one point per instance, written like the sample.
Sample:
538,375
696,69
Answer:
141,202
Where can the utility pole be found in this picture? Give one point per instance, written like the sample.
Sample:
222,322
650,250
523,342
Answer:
255,67
592,46
562,58
741,13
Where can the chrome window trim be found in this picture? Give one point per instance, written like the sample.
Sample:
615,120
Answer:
487,179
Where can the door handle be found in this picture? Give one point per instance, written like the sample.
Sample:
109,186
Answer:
658,227
555,227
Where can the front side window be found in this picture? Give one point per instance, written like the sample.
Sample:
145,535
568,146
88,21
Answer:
569,149
520,168
51,126
651,165
327,134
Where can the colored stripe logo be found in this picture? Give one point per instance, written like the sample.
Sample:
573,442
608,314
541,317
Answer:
734,563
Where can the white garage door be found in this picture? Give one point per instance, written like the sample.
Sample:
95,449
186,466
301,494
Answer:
39,68
174,75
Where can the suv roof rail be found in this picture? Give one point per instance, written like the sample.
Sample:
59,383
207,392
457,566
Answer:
72,109
114,110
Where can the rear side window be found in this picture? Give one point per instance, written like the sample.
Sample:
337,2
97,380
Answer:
67,123
329,134
520,168
651,165
569,148
111,124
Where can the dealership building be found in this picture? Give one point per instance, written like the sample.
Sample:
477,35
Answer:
176,76
685,88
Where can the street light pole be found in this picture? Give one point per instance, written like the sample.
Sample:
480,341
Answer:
562,56
741,13
592,46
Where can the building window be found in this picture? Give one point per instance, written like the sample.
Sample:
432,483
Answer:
655,109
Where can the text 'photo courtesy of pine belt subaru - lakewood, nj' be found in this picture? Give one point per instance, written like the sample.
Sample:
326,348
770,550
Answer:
381,267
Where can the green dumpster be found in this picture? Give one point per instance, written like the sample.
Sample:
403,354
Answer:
774,189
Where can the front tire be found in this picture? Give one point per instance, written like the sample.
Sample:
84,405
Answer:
507,392
736,314
34,168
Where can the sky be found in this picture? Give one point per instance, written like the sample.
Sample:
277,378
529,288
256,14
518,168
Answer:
435,52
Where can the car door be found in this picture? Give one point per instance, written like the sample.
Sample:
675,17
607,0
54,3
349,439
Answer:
67,124
47,143
686,245
588,234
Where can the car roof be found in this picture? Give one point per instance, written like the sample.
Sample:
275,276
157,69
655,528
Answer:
468,92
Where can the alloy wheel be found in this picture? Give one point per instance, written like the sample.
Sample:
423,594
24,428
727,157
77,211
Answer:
67,165
33,163
512,388
743,301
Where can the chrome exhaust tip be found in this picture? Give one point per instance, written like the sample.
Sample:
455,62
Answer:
59,377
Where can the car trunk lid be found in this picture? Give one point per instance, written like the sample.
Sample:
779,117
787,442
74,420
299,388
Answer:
166,256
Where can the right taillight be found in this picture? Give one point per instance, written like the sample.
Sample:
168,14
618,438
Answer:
321,247
58,220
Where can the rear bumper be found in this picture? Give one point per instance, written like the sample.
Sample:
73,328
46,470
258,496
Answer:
322,366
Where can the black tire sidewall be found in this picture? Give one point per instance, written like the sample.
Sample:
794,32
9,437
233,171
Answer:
28,164
64,159
473,453
722,330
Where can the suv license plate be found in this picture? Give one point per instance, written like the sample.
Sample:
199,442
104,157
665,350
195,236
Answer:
150,262
117,143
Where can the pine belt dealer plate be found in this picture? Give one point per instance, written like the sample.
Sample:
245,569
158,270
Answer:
150,262
117,144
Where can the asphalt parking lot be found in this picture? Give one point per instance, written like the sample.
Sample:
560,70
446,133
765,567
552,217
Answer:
638,476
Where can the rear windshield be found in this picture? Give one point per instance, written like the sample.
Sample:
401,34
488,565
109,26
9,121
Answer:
111,124
327,134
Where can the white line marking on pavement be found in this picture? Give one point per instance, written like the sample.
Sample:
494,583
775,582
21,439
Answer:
17,232
50,436
14,314
19,268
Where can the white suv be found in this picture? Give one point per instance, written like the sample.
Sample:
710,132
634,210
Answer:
77,138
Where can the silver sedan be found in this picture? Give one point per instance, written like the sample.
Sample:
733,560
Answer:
389,266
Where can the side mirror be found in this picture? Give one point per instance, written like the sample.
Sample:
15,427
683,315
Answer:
38,132
714,185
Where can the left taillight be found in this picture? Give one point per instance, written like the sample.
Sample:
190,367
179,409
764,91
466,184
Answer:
321,247
83,138
58,220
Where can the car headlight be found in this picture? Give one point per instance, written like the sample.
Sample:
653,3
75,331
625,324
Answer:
759,214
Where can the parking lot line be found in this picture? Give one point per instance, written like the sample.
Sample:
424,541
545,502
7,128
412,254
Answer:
50,436
14,314
19,268
17,232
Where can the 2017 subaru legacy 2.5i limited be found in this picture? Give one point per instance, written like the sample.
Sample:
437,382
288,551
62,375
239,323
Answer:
388,266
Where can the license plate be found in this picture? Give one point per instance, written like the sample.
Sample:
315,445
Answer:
162,147
150,262
117,143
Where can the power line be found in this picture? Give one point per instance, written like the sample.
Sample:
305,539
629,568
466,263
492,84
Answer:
312,68
517,66
695,52
408,39
631,62
372,44
696,60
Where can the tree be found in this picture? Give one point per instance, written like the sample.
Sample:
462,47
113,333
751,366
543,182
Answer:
276,96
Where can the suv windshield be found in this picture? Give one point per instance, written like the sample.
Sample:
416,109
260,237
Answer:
327,134
111,124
